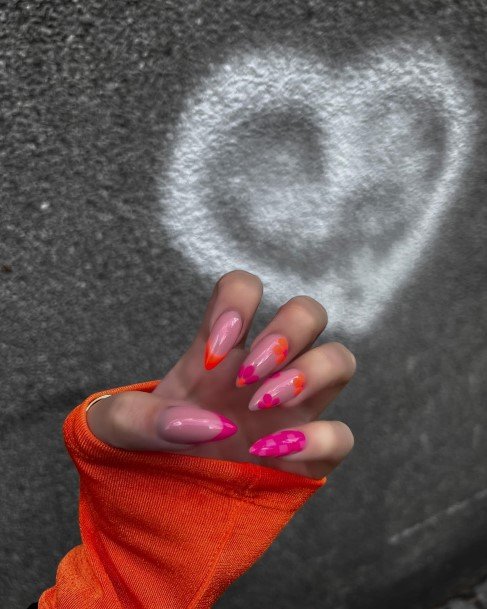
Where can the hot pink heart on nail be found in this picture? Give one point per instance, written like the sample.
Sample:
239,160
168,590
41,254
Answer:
278,389
269,353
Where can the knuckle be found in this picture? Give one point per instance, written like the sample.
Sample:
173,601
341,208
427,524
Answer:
309,309
120,410
239,279
336,440
343,438
343,360
346,436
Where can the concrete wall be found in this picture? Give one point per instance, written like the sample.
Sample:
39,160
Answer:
334,148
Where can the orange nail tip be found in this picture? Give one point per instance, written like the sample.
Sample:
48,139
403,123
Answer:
240,382
212,360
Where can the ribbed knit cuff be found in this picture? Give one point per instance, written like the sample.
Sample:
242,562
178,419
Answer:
162,529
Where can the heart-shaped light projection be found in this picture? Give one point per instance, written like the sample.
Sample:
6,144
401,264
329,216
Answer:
327,181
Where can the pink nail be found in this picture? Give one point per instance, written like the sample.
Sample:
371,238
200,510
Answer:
279,444
269,353
223,336
279,388
189,424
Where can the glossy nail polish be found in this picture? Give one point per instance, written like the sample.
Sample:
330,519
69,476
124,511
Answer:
278,388
279,444
222,338
187,424
269,353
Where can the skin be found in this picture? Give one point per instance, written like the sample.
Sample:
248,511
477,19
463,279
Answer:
128,420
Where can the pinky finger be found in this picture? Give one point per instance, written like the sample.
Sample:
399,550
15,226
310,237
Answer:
328,441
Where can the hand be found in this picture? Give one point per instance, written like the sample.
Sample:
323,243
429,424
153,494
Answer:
182,413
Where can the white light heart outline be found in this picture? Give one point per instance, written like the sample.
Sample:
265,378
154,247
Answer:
280,77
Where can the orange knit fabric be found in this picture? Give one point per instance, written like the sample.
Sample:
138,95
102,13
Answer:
165,530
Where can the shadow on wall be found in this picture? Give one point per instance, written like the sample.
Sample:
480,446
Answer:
329,179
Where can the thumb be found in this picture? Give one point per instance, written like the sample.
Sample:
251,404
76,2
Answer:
136,420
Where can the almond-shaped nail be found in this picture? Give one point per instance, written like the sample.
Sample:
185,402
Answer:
278,444
187,424
223,336
278,389
267,354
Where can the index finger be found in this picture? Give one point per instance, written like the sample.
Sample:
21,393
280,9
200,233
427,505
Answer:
229,314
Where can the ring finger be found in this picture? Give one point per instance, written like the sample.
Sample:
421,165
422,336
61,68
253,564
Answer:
313,379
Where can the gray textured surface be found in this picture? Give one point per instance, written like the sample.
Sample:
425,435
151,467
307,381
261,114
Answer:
95,292
476,599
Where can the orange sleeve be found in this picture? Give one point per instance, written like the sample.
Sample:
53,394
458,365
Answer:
165,530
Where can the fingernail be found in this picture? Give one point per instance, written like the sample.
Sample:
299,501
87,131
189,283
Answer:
279,388
223,336
279,444
192,425
264,357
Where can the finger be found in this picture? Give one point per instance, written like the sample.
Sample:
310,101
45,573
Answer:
229,314
296,325
319,371
326,441
137,420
